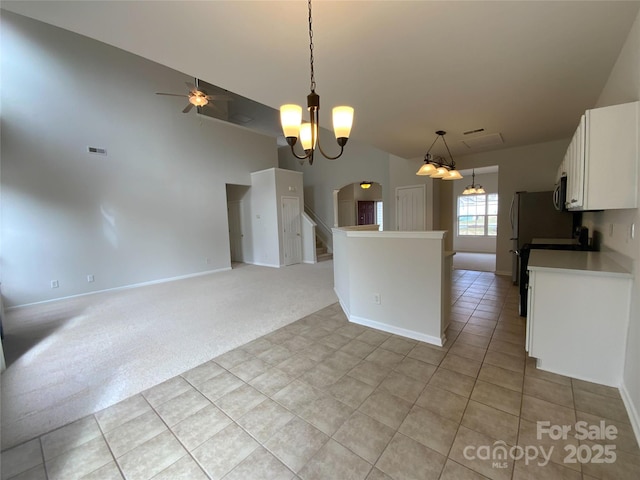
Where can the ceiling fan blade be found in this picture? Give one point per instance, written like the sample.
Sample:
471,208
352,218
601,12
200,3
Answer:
172,94
188,108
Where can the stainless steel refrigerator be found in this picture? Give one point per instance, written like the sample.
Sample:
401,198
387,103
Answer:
533,215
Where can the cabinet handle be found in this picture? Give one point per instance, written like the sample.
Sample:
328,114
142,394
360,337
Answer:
573,200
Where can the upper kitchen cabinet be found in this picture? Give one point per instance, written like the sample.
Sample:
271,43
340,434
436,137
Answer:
602,159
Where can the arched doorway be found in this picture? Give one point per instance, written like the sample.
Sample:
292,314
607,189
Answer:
355,205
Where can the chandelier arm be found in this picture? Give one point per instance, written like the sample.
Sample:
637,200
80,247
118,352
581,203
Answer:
434,142
308,155
329,157
453,163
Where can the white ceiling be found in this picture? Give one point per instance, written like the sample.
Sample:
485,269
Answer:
524,69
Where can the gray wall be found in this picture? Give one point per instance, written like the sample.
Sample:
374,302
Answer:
153,208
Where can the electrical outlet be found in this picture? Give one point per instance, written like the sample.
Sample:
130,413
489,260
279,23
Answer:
90,278
376,298
54,284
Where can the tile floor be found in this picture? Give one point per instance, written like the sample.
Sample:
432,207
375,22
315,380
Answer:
325,399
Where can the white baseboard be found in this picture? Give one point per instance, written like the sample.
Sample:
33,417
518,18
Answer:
260,264
634,417
403,332
125,287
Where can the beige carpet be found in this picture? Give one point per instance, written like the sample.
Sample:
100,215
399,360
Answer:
73,357
481,262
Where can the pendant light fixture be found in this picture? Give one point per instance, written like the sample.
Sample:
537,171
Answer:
439,167
473,189
291,119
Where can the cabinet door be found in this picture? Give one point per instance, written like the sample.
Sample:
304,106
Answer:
575,182
530,305
612,157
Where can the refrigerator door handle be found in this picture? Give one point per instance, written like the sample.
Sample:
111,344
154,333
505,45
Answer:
513,199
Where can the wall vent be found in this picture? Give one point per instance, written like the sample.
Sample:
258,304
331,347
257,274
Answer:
477,130
97,150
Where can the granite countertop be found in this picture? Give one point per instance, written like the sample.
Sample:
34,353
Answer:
571,261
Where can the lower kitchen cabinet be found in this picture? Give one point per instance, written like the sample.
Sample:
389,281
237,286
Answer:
578,314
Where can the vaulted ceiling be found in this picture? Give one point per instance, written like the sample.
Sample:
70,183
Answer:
523,69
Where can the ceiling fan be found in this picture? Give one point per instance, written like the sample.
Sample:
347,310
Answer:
197,97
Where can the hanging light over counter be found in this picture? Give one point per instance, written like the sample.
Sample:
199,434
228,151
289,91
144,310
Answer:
473,189
291,118
439,167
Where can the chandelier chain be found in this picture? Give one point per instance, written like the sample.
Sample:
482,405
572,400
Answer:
313,79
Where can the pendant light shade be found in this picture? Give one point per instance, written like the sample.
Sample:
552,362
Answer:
452,175
426,169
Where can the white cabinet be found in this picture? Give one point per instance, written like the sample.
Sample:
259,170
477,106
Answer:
602,159
578,315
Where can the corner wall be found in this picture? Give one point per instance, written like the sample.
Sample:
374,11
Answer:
613,226
153,208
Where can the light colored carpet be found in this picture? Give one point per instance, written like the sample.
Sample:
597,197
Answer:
81,355
481,262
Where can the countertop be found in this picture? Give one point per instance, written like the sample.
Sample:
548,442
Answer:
570,261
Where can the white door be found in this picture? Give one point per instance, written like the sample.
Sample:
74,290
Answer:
235,230
292,239
410,208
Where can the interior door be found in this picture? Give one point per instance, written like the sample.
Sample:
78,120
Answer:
291,228
235,230
366,212
410,208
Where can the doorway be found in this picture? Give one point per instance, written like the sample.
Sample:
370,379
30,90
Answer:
237,218
354,205
291,230
366,212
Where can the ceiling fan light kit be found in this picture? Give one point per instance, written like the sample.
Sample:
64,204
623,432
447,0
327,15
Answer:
294,129
197,98
439,167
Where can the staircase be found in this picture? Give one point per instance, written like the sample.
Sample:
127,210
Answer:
321,251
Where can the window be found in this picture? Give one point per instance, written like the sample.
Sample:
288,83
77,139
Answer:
379,215
478,215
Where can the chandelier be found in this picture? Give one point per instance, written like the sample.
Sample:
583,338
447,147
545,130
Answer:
439,167
473,188
291,119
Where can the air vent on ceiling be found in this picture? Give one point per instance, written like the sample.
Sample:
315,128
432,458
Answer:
477,130
97,150
483,141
